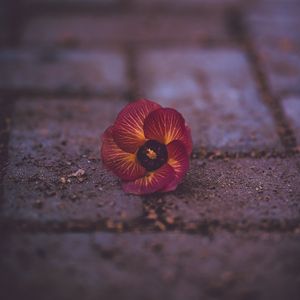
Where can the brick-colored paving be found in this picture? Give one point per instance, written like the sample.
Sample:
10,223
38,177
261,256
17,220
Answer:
232,228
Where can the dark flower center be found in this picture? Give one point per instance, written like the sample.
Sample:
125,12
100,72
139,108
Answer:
152,155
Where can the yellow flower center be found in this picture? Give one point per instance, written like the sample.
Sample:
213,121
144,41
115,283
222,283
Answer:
151,154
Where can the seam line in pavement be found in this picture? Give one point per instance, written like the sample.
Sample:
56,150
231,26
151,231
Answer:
145,225
283,128
5,124
132,93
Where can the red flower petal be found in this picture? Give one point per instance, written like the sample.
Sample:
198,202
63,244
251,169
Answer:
122,164
152,182
179,161
128,130
166,125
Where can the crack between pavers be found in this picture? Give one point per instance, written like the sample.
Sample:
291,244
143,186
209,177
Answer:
55,8
143,225
7,101
132,76
240,31
60,94
7,108
121,7
255,154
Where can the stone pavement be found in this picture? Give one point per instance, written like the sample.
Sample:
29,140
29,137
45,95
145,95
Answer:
232,228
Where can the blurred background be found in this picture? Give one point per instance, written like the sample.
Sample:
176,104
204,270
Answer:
219,62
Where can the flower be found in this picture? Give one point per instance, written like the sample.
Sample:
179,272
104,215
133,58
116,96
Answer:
148,147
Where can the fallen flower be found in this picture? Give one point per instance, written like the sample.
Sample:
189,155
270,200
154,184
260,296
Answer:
148,147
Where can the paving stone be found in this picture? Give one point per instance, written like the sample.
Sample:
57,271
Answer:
63,70
291,107
237,193
54,171
215,91
276,35
150,266
274,9
94,30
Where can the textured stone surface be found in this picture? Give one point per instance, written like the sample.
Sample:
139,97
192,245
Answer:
123,28
275,30
243,192
49,143
51,70
231,229
215,91
274,9
291,107
150,266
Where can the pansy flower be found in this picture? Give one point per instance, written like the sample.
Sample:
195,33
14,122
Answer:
148,148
